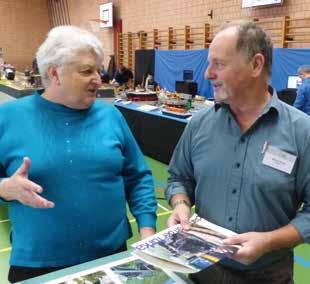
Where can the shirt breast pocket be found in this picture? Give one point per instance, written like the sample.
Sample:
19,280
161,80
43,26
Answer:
269,179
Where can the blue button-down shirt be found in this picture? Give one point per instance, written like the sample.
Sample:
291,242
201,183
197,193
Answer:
302,100
220,169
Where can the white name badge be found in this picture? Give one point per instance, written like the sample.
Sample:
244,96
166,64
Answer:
278,159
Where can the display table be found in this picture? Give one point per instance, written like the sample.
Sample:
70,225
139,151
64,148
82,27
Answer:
106,92
118,268
76,268
5,98
14,90
156,134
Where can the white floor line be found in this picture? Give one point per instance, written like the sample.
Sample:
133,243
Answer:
163,207
4,221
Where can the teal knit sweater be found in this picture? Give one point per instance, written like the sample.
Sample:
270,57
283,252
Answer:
88,164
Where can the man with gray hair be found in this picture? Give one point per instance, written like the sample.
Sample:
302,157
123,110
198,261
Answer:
244,163
69,164
302,100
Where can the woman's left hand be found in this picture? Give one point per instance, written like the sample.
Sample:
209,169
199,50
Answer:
146,232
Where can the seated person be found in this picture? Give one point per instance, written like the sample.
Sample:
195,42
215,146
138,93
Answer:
150,84
122,75
35,69
105,78
34,78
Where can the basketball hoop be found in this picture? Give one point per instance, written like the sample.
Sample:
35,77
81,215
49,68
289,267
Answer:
96,24
105,19
100,21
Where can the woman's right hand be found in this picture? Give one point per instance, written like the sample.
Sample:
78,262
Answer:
19,187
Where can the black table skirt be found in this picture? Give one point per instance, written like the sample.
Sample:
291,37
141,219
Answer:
157,136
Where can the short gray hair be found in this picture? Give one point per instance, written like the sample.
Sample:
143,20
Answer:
252,39
304,69
61,46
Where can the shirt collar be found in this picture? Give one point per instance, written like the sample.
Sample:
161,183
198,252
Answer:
273,104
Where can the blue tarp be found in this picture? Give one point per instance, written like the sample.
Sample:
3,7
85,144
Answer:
286,62
169,66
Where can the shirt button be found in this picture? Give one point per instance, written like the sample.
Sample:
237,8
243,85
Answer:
230,219
234,191
67,123
237,165
69,151
242,140
70,161
68,141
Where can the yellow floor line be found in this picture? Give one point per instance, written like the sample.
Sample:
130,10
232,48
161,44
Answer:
158,215
5,249
163,213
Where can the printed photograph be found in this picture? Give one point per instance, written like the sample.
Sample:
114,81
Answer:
137,271
98,277
196,248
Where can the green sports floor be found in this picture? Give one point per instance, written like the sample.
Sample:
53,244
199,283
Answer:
302,252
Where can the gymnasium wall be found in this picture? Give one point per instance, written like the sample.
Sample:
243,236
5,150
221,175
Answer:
137,15
24,24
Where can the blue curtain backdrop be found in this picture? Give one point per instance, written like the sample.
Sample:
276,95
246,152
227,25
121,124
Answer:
286,62
169,66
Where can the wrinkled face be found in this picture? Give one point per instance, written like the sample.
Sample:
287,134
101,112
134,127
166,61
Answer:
80,80
228,69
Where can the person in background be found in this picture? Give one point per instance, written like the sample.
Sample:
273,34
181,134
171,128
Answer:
111,66
34,76
150,84
69,171
244,163
105,79
302,101
123,75
35,68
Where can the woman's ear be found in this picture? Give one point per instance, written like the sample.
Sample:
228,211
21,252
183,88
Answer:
53,74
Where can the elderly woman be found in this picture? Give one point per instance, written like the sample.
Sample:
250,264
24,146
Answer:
69,163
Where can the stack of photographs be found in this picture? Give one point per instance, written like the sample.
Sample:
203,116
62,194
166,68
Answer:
129,270
186,251
157,258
